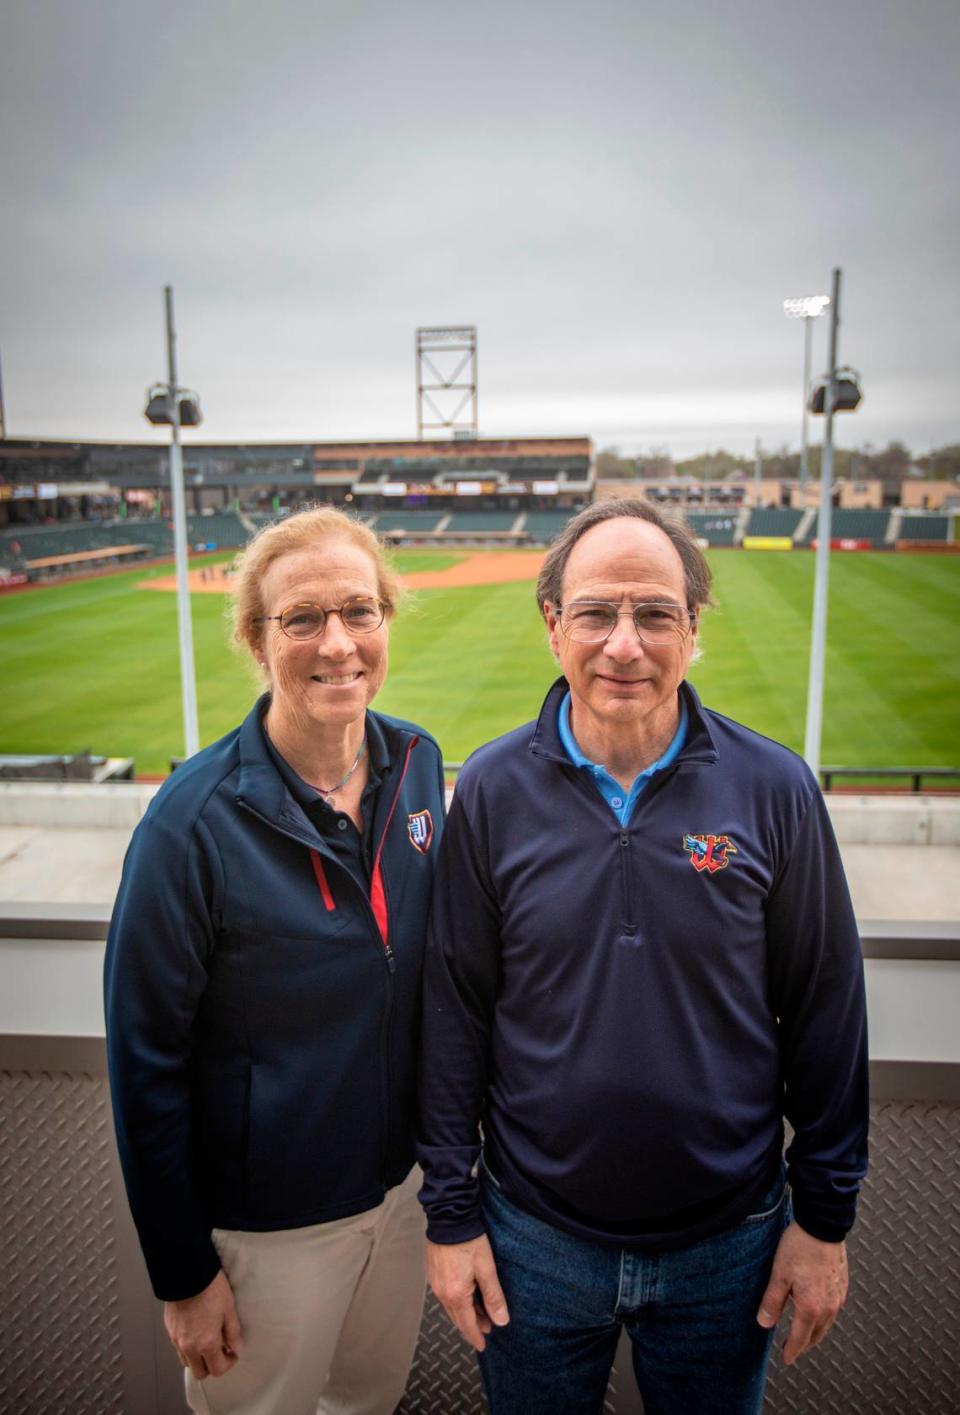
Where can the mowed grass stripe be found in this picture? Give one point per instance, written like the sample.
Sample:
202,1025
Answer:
470,664
760,608
95,663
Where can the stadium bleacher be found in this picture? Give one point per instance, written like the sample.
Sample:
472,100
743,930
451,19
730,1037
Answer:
416,522
481,522
545,526
854,525
224,530
773,521
716,528
76,536
925,528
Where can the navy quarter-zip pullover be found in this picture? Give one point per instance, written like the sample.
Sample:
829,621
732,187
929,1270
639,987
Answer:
262,999
631,1011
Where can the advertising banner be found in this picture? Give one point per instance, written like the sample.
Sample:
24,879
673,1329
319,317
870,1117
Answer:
767,543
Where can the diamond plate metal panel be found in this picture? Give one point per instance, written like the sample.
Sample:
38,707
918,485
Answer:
894,1350
445,1379
59,1319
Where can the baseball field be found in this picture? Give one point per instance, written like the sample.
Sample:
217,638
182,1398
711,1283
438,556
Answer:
94,664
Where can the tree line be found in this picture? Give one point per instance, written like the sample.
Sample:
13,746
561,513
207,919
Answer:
894,462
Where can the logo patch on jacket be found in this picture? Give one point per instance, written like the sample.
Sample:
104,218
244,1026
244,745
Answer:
709,852
420,830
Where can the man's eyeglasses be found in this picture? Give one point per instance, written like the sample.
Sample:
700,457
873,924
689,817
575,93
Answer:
308,621
592,621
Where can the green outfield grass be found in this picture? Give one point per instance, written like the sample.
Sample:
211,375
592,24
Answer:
94,664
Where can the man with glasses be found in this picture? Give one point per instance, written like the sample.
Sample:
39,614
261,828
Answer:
643,958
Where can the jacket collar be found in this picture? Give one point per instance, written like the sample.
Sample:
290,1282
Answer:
262,789
699,748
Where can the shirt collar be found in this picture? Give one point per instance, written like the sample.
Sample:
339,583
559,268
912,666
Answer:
577,757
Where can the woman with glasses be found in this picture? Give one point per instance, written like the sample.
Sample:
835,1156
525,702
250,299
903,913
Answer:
262,987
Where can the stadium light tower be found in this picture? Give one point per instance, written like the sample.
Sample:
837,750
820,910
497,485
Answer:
808,308
839,391
179,407
438,349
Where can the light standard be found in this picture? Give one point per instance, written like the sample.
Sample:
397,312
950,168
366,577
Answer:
179,407
807,308
837,392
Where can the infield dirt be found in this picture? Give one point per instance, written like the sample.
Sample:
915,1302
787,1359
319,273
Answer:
486,568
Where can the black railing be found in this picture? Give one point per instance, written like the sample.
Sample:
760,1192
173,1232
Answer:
916,774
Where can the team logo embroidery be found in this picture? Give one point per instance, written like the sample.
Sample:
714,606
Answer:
709,852
420,830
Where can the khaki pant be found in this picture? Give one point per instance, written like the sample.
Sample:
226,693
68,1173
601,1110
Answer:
329,1314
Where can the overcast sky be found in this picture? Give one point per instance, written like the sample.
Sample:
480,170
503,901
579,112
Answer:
618,194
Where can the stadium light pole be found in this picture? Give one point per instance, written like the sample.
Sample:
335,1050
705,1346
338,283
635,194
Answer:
165,407
808,308
818,636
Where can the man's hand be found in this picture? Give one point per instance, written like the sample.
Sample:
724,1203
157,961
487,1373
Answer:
814,1275
205,1329
464,1280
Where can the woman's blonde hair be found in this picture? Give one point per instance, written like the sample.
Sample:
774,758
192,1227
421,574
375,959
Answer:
301,531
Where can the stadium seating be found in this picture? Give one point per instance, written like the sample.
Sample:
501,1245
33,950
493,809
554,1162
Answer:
223,530
773,521
481,522
545,526
75,536
854,525
417,522
925,528
715,527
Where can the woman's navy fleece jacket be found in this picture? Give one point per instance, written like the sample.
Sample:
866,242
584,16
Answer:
261,1029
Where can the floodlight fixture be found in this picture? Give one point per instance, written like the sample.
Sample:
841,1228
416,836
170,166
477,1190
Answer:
847,393
807,308
159,409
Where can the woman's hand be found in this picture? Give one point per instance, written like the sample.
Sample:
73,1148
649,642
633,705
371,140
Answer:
205,1330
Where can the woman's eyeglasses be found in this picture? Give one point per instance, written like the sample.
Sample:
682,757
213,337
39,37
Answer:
308,621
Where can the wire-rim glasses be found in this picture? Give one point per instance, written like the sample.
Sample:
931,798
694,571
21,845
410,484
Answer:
592,621
360,615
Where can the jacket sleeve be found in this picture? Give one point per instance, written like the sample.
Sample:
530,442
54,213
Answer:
817,994
160,940
460,978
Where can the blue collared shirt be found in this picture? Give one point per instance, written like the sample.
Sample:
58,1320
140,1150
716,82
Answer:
611,790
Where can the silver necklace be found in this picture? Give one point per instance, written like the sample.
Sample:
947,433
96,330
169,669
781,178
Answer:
329,790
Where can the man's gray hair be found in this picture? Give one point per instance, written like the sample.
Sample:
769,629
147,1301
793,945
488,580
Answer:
696,571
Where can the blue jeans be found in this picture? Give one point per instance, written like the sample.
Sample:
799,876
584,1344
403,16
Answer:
691,1315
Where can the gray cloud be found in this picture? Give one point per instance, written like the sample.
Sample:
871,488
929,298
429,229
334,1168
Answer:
620,197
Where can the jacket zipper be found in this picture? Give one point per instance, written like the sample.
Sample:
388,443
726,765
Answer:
377,904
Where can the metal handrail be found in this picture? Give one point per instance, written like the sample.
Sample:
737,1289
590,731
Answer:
916,773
